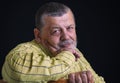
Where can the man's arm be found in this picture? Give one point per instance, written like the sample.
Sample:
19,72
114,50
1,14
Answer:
78,77
22,66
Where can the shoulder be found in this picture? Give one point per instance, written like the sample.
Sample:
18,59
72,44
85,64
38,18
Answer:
29,47
24,52
26,48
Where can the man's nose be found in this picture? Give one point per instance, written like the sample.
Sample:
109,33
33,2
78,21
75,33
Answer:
64,36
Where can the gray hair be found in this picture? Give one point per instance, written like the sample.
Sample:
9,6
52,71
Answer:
50,9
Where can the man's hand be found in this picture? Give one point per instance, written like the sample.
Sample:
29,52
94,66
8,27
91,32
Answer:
73,51
81,77
2,81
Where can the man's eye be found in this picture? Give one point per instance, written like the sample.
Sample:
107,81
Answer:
70,28
56,32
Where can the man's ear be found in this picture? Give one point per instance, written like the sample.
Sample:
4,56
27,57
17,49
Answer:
37,35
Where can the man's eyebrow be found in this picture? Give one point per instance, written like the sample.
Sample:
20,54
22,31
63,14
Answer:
55,27
72,25
58,27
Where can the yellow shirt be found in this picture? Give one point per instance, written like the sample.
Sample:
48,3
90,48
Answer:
31,63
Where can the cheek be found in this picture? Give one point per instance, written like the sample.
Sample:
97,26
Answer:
73,36
53,40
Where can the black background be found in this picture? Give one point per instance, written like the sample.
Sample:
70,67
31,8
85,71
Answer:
97,29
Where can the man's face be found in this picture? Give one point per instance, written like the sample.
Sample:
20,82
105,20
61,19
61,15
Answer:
58,32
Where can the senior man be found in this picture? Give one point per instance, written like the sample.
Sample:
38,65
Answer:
52,57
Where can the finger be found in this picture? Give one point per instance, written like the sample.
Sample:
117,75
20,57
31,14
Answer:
71,78
84,77
77,55
78,78
90,77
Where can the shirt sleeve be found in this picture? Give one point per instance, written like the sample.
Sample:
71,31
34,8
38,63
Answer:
24,65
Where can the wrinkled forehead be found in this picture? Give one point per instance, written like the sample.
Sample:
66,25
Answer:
67,18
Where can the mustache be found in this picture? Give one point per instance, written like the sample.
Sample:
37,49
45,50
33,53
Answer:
62,43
